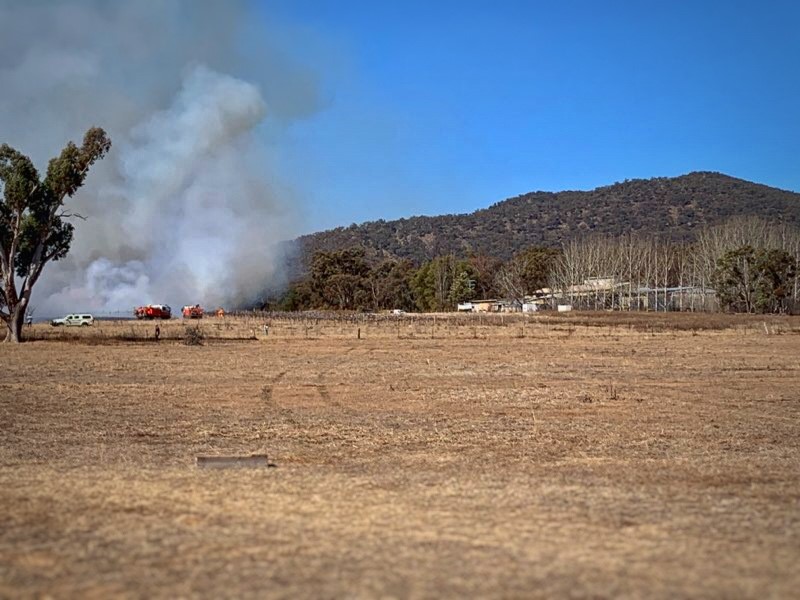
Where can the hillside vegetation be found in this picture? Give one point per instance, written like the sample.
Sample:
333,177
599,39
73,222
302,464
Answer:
675,207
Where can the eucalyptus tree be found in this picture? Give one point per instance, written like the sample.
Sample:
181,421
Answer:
34,219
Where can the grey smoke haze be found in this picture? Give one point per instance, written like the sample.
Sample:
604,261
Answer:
183,209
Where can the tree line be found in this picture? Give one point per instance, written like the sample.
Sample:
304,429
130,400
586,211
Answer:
743,265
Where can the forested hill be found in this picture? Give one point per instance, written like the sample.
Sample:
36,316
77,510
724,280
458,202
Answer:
675,206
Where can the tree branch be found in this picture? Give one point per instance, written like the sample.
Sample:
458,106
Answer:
67,215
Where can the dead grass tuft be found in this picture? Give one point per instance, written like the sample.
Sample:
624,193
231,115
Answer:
193,336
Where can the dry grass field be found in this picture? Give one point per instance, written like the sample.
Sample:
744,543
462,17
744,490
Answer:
585,456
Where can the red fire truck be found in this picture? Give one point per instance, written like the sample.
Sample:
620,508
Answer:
153,311
193,312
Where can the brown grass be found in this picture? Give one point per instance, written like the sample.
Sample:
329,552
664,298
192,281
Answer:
529,458
333,325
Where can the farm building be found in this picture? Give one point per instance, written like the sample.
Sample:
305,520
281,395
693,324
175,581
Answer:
594,293
604,293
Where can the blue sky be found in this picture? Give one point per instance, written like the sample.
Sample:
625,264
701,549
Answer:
445,107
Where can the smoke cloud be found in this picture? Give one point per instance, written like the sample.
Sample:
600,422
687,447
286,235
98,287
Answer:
186,207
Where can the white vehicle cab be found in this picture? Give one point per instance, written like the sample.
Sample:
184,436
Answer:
76,320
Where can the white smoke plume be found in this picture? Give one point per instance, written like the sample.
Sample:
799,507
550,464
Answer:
184,209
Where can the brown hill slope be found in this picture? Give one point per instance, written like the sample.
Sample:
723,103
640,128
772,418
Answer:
673,206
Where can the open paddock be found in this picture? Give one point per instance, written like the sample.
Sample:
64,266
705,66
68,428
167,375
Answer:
333,325
583,455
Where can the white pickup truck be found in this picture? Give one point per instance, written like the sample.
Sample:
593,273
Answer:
77,320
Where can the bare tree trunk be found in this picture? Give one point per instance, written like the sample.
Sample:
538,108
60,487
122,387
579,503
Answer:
15,321
669,263
796,288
